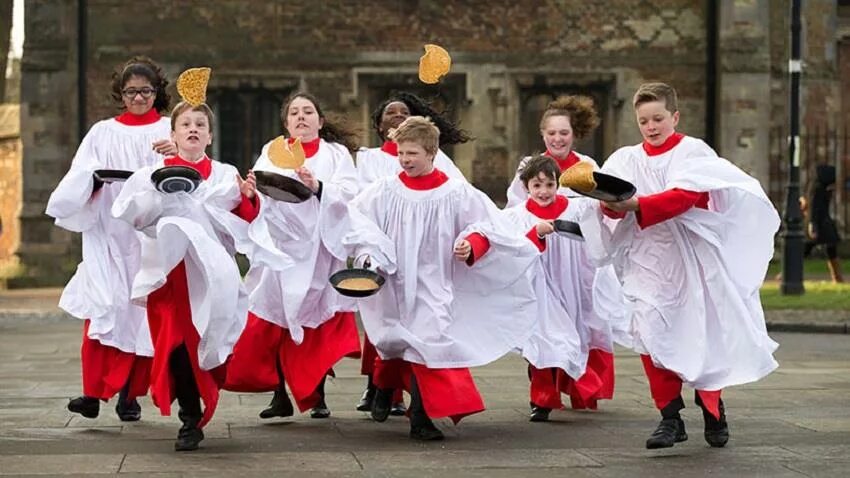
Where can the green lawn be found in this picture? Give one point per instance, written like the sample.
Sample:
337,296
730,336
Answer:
819,295
811,267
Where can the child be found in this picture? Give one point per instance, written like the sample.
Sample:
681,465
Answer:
189,280
566,119
116,350
563,280
376,163
299,327
435,317
691,248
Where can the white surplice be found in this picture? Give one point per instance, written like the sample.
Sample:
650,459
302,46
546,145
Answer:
692,282
517,193
292,255
375,163
435,310
200,229
100,288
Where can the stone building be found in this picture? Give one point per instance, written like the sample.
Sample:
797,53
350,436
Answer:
726,58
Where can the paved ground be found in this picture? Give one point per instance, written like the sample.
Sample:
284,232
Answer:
794,423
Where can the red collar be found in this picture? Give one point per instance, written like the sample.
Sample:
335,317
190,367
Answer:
570,160
310,147
204,166
390,147
129,119
552,211
432,180
667,145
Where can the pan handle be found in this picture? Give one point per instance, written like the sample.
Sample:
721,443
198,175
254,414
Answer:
367,261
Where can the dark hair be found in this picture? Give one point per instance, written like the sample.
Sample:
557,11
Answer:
146,68
578,108
449,132
183,107
334,129
539,164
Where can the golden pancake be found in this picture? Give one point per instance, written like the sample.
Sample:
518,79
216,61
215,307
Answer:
192,85
286,156
358,283
434,64
579,177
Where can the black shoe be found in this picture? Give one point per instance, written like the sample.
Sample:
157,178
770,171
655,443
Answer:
280,406
128,411
188,438
716,431
426,432
321,410
669,432
398,409
539,414
381,404
88,407
365,404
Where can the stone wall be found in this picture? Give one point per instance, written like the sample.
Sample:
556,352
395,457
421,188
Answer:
10,187
505,54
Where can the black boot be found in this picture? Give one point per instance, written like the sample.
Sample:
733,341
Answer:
365,404
321,409
716,431
539,414
421,426
88,407
381,404
280,406
671,429
189,400
127,410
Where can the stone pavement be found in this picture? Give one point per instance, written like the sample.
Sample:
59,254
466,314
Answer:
794,423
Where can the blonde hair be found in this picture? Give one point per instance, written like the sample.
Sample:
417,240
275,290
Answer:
578,108
419,130
183,107
649,92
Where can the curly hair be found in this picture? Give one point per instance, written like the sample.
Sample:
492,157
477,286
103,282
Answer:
146,68
578,108
449,132
334,129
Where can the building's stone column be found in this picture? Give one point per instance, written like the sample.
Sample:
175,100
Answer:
49,134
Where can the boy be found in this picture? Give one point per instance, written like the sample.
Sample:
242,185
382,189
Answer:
189,281
691,249
435,317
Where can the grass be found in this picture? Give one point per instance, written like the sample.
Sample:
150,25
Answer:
818,296
811,267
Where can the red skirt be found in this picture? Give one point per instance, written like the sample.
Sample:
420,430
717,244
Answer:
107,369
445,392
597,383
170,319
252,368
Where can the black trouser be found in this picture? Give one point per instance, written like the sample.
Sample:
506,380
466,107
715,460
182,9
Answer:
185,388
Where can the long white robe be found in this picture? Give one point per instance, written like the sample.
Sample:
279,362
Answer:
293,248
435,310
200,229
692,282
374,164
517,193
100,288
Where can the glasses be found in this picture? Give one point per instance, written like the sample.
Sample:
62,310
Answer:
131,93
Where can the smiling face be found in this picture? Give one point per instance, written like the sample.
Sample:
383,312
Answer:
542,189
133,95
656,122
414,160
302,119
557,133
192,134
394,113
